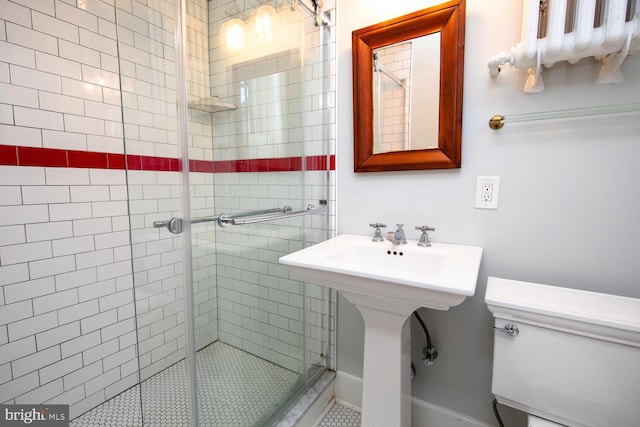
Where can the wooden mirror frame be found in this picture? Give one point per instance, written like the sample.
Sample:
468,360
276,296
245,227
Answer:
448,19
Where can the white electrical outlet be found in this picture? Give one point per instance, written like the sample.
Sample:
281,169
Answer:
487,192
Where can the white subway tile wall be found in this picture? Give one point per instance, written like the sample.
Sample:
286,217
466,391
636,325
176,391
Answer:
55,308
394,112
67,327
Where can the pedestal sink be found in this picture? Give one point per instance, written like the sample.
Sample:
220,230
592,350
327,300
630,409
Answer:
387,283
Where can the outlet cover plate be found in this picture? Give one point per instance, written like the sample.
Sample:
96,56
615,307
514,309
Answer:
487,192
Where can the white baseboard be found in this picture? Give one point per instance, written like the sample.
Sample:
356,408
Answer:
349,390
424,414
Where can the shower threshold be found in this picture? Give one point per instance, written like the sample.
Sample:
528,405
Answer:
235,388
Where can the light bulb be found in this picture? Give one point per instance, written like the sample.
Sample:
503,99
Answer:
234,34
263,25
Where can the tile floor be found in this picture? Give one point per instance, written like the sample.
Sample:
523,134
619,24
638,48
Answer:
340,416
237,390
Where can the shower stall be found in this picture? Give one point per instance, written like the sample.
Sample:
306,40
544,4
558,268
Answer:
203,127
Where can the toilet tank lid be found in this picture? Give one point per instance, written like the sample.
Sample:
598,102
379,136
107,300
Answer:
573,304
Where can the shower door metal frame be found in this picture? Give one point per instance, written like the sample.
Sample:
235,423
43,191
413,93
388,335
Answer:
180,31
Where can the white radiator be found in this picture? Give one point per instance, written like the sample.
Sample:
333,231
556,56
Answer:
569,30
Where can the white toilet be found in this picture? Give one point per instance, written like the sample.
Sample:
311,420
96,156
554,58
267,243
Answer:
565,356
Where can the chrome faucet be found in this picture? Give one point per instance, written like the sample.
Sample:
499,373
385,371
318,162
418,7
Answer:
424,238
377,234
398,236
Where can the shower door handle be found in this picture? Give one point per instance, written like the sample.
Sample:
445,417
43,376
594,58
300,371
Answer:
174,225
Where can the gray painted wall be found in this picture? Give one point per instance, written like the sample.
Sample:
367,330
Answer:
569,211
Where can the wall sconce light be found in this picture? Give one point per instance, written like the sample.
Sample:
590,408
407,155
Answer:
263,22
233,31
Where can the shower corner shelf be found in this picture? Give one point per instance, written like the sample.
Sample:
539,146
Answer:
212,105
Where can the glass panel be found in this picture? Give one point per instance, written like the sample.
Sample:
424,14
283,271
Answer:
255,124
148,75
318,109
262,69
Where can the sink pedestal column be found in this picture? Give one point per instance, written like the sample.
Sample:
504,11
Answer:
386,388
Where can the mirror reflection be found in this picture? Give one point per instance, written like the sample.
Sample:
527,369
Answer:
403,120
407,126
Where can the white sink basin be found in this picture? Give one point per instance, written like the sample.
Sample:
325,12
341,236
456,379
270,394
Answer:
387,283
440,276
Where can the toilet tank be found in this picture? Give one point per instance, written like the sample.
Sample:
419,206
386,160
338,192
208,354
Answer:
575,359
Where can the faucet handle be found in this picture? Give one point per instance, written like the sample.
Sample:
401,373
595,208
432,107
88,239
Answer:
424,238
398,236
377,235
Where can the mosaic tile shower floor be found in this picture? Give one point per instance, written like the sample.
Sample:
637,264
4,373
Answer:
236,389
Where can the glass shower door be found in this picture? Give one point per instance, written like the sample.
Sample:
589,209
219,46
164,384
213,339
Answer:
266,67
160,159
223,333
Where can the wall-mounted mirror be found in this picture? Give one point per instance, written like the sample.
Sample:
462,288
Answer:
407,91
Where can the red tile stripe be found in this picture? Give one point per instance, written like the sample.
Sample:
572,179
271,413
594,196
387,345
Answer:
8,155
51,157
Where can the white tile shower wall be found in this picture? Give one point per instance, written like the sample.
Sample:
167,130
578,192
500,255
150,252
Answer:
260,308
147,69
198,51
149,94
158,269
67,327
394,113
200,130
